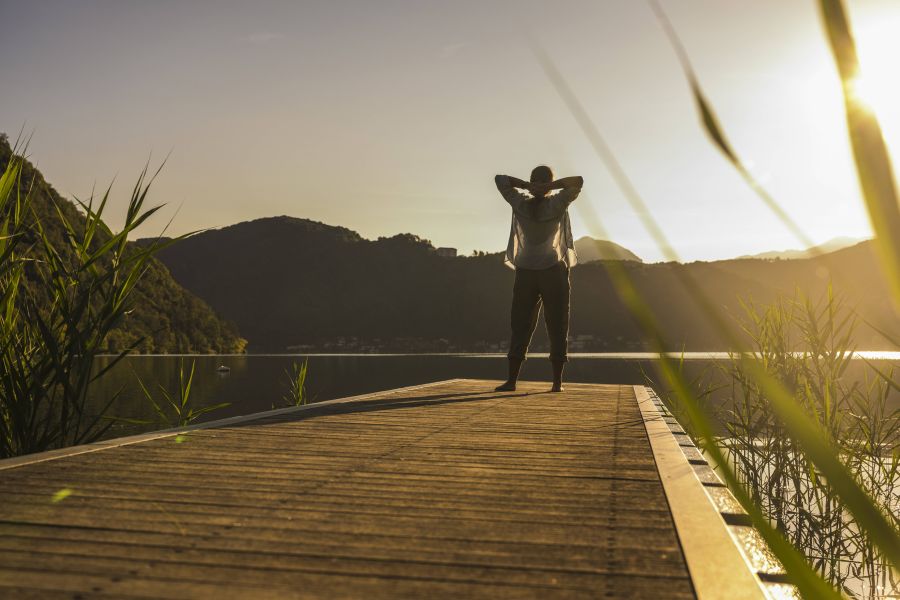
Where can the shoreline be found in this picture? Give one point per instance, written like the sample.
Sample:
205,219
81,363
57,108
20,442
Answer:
698,355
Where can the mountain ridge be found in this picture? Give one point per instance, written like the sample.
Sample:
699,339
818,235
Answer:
590,249
296,283
165,315
832,245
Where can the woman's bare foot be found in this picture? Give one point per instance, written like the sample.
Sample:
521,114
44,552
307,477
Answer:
558,367
508,386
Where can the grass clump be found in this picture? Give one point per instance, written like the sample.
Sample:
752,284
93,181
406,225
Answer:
177,410
59,301
297,394
806,346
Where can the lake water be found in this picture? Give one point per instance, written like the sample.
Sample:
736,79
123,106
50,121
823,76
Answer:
257,382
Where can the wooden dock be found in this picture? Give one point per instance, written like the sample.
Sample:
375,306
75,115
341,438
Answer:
444,490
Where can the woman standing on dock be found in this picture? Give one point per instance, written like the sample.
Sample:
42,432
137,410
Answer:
541,250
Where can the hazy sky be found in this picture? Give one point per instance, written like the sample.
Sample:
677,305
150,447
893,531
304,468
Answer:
393,116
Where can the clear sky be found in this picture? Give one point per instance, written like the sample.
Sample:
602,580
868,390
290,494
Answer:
393,116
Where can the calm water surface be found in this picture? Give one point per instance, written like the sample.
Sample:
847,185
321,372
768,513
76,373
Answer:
257,382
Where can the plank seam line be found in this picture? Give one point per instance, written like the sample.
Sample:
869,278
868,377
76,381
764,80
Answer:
300,530
180,560
30,459
152,577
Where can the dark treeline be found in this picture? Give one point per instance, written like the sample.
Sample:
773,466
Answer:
291,282
168,317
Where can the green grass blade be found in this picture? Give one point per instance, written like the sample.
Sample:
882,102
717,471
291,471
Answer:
873,164
882,529
715,131
8,180
878,183
802,575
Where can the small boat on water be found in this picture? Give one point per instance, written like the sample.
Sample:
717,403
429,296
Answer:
223,369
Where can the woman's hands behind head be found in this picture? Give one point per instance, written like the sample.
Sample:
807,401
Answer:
539,190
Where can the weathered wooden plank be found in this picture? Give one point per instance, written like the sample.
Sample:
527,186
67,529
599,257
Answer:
248,567
627,557
565,492
452,526
190,511
310,587
324,501
408,461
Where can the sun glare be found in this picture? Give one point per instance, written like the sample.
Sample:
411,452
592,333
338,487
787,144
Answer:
878,84
878,92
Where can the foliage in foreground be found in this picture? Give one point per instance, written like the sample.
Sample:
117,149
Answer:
792,394
165,316
296,394
804,431
58,304
177,410
804,344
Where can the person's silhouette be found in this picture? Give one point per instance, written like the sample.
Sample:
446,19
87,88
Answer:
541,251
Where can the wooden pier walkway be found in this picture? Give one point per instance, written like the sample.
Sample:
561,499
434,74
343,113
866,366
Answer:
444,490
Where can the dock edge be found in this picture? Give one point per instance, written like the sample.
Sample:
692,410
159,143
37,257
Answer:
28,459
726,557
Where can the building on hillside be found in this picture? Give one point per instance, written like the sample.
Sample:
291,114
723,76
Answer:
446,252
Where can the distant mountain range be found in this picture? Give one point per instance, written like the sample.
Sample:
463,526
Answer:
292,283
168,317
831,245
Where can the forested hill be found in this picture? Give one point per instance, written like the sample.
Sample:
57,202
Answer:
295,283
170,318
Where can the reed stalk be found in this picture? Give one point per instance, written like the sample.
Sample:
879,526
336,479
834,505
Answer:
807,433
58,303
296,394
177,410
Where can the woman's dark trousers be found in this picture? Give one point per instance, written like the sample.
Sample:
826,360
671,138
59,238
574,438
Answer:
533,288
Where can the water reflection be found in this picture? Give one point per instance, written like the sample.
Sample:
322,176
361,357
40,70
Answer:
255,382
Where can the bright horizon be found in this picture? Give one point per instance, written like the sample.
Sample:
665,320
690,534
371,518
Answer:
394,118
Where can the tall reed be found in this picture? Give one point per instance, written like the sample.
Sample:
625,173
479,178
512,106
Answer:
176,410
58,303
297,394
878,521
868,515
806,345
